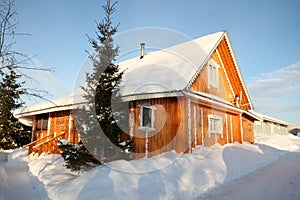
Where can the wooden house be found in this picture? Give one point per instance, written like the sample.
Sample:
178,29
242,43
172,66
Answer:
186,95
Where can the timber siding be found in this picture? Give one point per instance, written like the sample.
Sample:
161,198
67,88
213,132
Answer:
224,89
168,134
181,124
60,125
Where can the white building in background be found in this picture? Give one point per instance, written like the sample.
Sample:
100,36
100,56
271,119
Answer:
267,125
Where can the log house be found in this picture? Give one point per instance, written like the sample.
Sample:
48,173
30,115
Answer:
186,95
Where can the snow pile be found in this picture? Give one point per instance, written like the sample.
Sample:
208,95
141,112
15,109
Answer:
51,171
167,176
17,157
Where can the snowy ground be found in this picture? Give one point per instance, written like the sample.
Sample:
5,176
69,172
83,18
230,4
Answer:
279,180
16,182
265,170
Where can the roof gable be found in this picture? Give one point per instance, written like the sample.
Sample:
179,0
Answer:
230,64
224,56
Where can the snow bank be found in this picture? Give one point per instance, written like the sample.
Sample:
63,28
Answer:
167,176
286,143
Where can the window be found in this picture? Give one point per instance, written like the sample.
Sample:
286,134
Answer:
147,118
45,123
213,74
42,122
39,124
249,127
215,124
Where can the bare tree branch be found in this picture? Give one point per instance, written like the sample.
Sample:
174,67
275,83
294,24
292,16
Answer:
20,62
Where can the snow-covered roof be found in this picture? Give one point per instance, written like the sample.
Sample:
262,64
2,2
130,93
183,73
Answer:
162,73
67,103
169,69
267,118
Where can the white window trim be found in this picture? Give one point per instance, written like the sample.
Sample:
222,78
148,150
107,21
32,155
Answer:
146,128
215,117
213,83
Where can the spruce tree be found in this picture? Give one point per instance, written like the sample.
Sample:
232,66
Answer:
102,91
98,122
12,132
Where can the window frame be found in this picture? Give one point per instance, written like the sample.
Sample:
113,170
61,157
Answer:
147,127
39,123
219,121
213,74
41,119
45,123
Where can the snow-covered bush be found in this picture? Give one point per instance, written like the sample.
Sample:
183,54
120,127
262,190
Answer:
76,156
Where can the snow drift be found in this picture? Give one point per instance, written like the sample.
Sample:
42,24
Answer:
167,176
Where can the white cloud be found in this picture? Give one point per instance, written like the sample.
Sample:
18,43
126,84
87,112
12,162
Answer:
285,81
277,93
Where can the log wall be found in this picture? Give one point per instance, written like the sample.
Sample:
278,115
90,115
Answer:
60,126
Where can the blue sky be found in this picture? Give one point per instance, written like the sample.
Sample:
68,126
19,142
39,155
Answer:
264,34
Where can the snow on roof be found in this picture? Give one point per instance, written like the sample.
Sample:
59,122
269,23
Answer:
165,71
267,118
169,69
67,103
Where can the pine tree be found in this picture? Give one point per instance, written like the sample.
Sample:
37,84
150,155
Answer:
12,132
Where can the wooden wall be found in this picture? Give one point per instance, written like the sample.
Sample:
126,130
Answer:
181,124
201,83
248,129
231,125
60,126
167,134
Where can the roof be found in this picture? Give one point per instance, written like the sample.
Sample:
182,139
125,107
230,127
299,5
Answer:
169,69
26,114
162,73
266,118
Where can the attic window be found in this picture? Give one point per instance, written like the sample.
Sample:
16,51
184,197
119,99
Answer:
147,118
213,74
